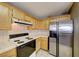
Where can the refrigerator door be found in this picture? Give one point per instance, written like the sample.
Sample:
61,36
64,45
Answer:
65,38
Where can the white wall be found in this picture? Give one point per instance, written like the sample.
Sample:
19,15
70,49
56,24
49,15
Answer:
4,38
75,16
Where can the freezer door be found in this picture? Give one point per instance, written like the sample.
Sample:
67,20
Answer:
52,38
65,38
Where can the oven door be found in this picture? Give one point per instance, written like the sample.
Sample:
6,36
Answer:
26,50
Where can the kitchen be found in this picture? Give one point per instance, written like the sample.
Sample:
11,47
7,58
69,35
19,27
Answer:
25,35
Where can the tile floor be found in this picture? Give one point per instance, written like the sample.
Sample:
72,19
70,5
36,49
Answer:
42,53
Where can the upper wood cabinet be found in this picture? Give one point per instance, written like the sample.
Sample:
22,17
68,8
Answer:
28,19
31,20
5,18
38,25
43,24
60,18
18,14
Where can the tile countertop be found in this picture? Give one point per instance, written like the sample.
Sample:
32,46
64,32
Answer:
11,44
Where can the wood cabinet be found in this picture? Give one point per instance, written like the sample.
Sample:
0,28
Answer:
42,43
38,25
42,24
10,53
61,17
33,26
38,42
28,19
45,24
18,14
5,18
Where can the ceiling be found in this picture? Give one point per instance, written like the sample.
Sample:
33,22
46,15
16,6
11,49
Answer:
41,10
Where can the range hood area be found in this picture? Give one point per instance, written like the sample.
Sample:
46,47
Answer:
21,22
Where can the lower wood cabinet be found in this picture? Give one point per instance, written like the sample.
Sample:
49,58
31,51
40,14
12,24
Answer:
10,53
42,43
38,41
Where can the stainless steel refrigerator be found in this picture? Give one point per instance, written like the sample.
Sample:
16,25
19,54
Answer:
61,38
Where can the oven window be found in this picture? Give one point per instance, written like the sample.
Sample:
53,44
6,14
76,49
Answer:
26,50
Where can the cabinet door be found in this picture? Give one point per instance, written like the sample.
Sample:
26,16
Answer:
38,25
38,44
28,19
44,43
10,53
59,18
45,24
42,24
18,14
33,26
5,18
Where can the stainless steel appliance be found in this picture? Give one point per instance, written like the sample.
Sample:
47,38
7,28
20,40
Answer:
60,38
